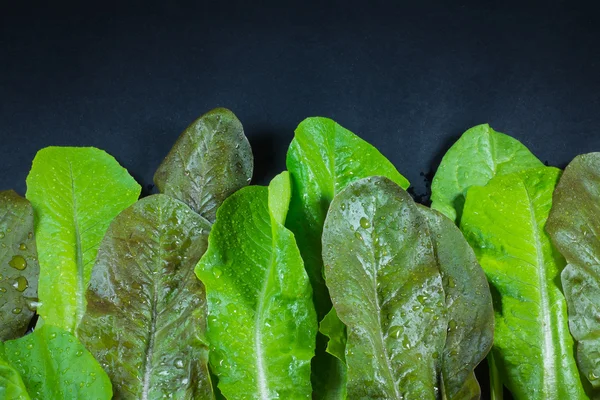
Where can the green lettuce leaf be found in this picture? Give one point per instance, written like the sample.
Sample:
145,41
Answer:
11,384
146,311
322,159
211,159
504,223
51,363
480,154
19,268
574,225
386,287
75,193
468,304
335,331
262,322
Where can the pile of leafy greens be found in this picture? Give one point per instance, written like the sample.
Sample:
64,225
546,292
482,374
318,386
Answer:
329,283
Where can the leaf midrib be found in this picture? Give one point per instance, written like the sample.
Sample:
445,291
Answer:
549,368
261,378
149,351
79,253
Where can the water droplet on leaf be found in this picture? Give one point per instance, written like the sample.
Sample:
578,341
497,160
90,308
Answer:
18,262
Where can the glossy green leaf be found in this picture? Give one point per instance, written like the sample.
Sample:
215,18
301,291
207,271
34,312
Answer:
333,386
504,223
19,268
322,159
11,384
574,225
146,313
50,363
386,287
262,322
480,154
75,193
468,305
211,159
335,330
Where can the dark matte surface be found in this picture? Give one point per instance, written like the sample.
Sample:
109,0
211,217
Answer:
409,78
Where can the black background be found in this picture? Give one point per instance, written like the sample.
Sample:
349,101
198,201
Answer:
409,77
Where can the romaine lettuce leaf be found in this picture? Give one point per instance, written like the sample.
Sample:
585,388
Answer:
146,311
262,322
48,364
504,223
386,287
19,269
574,225
322,159
75,194
211,159
480,154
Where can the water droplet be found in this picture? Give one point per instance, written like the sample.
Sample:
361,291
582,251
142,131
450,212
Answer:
29,346
451,282
179,363
52,335
421,298
406,343
365,223
396,331
343,206
18,262
435,355
30,235
79,353
1,235
2,290
136,285
217,272
358,236
21,284
453,353
22,247
451,325
16,310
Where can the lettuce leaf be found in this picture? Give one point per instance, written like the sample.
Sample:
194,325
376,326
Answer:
262,322
19,269
386,287
211,159
323,159
480,154
51,363
146,313
75,194
574,225
504,223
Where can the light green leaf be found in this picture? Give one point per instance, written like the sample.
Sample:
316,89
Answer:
334,385
322,159
75,193
574,225
480,154
51,364
468,304
11,384
387,289
335,330
146,313
19,268
504,223
262,322
211,159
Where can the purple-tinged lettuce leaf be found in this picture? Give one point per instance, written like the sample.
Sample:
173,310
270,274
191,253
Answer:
211,159
19,269
574,226
146,313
